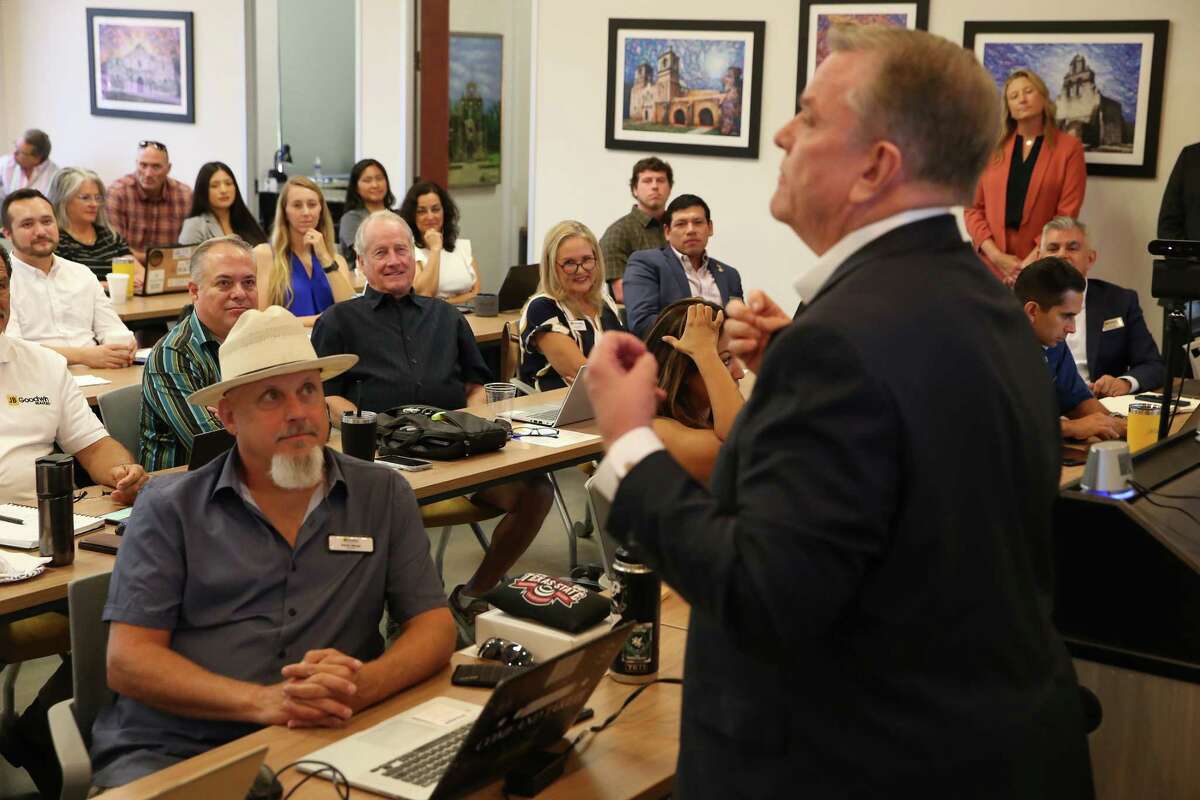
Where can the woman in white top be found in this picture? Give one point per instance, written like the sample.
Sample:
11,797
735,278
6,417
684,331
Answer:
445,267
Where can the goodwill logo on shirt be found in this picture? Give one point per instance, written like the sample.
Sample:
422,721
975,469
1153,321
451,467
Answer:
16,401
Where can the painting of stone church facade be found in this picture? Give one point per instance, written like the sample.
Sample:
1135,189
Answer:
140,63
684,85
1104,77
1094,87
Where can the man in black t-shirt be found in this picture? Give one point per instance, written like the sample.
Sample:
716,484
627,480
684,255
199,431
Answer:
414,349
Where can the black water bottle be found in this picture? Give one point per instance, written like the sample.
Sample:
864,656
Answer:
636,597
56,518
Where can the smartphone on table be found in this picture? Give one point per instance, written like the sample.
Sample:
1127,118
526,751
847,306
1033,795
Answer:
406,463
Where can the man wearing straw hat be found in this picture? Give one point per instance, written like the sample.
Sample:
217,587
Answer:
249,592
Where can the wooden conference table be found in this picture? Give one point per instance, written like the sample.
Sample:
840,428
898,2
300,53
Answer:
487,330
635,758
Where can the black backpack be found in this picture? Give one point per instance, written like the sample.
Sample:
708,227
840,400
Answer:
428,432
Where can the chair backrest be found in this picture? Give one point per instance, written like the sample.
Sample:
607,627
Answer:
121,412
599,505
89,649
510,352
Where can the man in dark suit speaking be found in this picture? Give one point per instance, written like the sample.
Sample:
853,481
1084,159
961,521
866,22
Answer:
870,573
1111,345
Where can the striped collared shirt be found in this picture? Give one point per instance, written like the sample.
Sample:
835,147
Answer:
183,361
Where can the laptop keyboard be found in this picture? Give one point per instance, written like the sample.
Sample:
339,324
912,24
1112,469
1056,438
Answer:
425,765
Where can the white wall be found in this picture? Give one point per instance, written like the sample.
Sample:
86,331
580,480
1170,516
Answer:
574,176
44,75
385,123
490,215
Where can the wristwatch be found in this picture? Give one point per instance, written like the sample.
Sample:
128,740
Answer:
331,268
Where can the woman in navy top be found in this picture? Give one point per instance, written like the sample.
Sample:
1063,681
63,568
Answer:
300,268
571,310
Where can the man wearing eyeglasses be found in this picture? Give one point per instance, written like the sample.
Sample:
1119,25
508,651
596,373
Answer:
29,165
413,349
148,206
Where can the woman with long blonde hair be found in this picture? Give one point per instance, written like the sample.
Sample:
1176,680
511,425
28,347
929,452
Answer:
1036,174
300,268
571,309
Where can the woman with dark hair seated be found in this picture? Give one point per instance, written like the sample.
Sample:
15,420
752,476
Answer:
445,267
699,376
218,209
368,191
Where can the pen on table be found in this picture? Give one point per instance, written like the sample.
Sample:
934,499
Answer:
13,520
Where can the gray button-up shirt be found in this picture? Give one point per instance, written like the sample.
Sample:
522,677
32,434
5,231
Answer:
197,560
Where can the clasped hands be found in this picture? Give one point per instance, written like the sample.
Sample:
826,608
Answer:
622,375
319,692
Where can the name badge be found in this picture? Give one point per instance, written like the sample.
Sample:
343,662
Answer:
351,544
1113,324
578,325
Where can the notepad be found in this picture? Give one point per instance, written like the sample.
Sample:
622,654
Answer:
83,381
141,356
25,535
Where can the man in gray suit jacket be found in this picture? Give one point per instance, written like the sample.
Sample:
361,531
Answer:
656,278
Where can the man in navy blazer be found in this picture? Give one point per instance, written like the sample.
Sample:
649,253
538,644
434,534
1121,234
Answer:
656,278
1112,346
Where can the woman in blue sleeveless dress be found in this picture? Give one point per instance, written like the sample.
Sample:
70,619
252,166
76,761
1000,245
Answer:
300,268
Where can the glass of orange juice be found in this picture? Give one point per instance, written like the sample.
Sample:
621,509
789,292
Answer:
1143,426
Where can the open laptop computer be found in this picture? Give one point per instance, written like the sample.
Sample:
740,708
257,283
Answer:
230,777
575,407
207,446
445,747
519,285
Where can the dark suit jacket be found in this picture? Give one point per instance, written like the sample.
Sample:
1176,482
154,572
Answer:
1127,350
870,574
1056,188
1179,215
654,279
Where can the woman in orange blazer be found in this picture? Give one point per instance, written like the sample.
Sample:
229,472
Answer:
1019,193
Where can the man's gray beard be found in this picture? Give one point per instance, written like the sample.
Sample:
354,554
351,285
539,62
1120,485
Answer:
302,471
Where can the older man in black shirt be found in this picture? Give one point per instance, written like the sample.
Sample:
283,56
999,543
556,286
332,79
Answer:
414,349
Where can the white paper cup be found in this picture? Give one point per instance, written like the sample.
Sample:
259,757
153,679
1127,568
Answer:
118,287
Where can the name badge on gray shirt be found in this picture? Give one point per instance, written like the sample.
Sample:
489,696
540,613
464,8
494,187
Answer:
351,544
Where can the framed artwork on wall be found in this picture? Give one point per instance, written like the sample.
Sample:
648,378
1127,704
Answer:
140,64
1105,79
818,16
684,86
476,79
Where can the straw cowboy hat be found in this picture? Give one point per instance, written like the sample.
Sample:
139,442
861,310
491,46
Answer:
264,344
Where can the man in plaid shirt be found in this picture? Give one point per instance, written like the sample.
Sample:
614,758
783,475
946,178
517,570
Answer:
147,206
641,228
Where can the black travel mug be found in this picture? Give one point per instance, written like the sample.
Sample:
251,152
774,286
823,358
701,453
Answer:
636,597
56,518
358,435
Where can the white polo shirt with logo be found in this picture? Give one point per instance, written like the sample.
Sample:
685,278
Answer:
39,405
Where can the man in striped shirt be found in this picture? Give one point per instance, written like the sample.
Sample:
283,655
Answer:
223,285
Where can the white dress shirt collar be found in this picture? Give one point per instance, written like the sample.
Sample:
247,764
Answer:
816,276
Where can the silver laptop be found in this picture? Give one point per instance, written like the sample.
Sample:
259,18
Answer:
575,407
445,747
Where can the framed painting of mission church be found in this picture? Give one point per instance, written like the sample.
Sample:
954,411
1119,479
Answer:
684,86
818,16
140,64
1105,79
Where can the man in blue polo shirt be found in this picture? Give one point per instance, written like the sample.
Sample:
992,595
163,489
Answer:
1051,291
